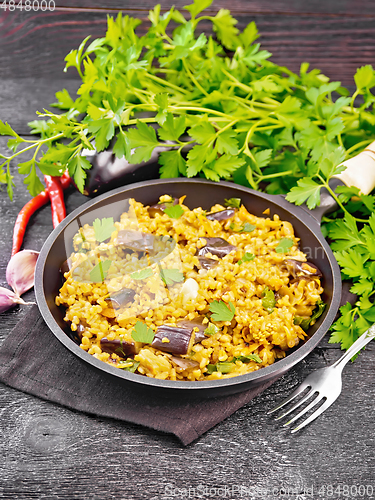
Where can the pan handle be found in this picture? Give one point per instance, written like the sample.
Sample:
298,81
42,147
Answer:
360,172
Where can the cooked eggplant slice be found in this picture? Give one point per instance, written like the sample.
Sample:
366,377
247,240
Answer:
121,298
195,323
135,240
185,364
65,266
174,339
120,347
206,263
226,214
216,246
296,267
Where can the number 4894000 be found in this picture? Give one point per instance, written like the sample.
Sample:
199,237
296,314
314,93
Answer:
28,5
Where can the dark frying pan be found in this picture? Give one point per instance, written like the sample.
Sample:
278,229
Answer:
198,193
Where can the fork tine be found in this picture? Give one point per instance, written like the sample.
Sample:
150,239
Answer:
313,403
314,415
307,396
295,393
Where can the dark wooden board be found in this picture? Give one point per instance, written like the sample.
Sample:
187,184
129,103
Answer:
36,43
295,7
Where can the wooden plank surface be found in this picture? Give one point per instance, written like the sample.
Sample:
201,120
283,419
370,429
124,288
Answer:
35,44
50,452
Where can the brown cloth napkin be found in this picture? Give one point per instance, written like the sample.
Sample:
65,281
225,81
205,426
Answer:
34,361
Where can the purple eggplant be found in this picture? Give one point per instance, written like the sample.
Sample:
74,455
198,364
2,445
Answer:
226,214
216,246
195,323
135,240
121,298
206,263
185,364
109,172
296,267
174,339
120,347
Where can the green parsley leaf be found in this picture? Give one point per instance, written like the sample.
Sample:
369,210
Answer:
172,164
222,311
128,365
247,257
351,263
172,128
211,329
174,212
248,358
170,276
77,167
142,274
233,202
307,191
284,245
99,273
143,138
305,323
141,333
64,101
103,228
6,129
246,228
268,301
197,7
223,367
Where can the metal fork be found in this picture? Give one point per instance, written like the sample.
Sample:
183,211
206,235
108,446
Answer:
323,385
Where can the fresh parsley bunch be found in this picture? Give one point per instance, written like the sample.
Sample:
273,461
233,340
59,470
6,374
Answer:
221,110
238,115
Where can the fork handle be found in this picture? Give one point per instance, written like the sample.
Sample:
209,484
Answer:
356,347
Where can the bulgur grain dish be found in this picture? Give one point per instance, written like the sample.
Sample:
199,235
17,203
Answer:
179,294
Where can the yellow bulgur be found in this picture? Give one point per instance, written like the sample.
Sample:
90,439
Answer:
266,298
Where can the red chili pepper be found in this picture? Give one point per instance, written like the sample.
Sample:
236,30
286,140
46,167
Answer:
56,196
28,210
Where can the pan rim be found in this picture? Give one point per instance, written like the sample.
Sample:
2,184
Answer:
266,373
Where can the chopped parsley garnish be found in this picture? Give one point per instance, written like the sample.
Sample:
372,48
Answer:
247,257
268,301
103,228
174,212
228,366
211,329
142,274
246,228
170,276
129,365
224,367
248,358
305,323
222,311
142,333
99,272
284,245
232,203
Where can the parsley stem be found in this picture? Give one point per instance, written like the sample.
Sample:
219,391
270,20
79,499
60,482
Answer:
245,147
357,146
203,110
167,83
192,77
35,144
271,176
